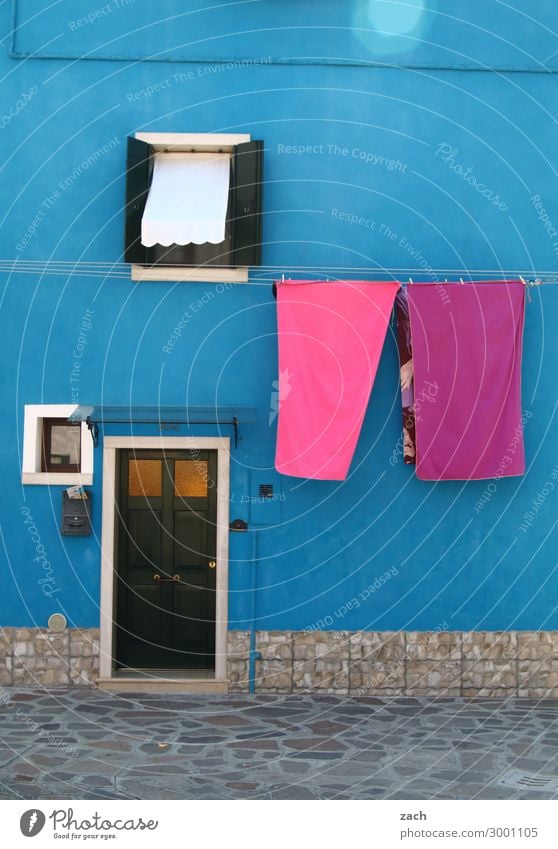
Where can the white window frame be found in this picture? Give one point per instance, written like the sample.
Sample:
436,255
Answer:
187,143
33,446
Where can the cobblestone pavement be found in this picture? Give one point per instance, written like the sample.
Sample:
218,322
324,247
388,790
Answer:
87,744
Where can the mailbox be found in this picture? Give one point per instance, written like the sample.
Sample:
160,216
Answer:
76,515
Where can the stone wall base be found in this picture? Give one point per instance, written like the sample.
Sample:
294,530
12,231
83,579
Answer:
359,663
37,657
411,663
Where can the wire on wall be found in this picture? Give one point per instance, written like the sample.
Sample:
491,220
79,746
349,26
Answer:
261,274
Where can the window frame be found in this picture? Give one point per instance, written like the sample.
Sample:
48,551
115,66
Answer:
32,456
46,450
191,142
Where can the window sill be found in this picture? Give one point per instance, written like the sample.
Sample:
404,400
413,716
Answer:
56,478
196,275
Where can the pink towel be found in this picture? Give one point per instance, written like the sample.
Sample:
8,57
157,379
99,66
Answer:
467,379
330,340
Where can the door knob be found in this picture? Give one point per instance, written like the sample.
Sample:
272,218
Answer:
176,577
156,577
212,564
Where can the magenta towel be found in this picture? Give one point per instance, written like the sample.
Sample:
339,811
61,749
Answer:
330,340
467,378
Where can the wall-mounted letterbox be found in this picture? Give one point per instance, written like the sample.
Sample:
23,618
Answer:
76,515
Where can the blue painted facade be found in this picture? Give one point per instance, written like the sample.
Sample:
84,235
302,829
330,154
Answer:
366,165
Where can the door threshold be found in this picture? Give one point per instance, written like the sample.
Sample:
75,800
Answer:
167,674
138,685
163,681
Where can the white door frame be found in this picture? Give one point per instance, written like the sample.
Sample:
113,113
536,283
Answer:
111,444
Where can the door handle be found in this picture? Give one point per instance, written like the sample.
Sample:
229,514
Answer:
156,577
212,564
174,579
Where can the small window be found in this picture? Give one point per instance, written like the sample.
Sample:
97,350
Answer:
231,207
61,446
55,449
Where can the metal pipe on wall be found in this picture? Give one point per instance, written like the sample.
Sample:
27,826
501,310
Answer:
253,655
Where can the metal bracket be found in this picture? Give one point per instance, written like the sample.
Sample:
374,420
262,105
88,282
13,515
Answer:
93,428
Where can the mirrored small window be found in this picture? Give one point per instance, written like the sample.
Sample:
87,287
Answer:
61,446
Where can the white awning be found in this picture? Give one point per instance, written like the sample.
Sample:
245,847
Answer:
188,199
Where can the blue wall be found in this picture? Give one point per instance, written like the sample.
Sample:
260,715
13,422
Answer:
341,140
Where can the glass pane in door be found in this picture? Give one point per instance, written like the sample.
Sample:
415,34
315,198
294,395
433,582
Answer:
190,478
145,477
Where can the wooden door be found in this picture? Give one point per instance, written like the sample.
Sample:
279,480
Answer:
165,607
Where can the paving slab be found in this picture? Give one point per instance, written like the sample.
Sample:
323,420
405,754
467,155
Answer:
84,744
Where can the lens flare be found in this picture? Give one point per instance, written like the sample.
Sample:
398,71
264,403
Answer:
386,27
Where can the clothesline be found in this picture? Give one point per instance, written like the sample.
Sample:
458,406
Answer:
411,282
404,275
18,262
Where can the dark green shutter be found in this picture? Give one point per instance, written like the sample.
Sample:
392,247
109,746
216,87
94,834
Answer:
139,169
246,207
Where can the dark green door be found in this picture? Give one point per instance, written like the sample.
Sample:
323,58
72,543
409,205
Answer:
167,511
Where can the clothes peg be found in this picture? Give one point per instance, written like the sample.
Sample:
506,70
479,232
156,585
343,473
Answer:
411,281
461,281
522,280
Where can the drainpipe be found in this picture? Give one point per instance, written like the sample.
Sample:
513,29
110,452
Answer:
254,655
